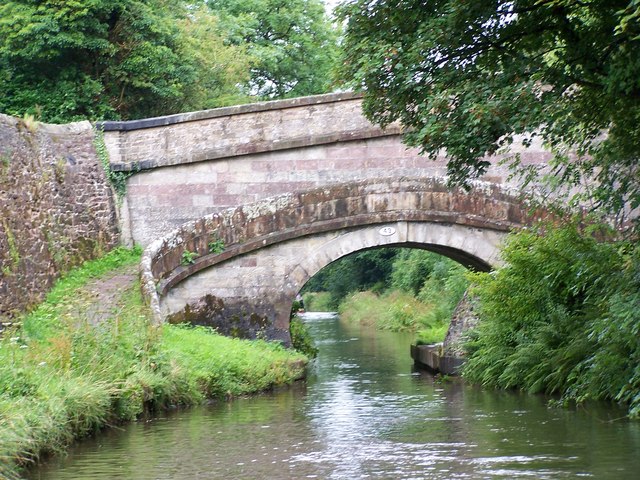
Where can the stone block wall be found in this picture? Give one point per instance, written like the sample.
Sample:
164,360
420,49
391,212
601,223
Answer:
194,164
56,207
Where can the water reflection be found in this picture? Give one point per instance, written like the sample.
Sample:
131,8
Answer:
362,414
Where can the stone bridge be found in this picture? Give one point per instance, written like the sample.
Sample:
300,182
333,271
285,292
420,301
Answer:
288,187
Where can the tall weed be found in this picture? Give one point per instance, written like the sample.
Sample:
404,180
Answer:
562,316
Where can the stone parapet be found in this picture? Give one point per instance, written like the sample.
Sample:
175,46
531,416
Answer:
195,164
235,131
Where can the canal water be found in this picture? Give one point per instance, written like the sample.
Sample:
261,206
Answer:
364,413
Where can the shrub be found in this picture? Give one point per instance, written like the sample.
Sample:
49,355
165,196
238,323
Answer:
561,317
301,339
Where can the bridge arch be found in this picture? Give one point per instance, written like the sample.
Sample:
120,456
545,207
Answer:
274,246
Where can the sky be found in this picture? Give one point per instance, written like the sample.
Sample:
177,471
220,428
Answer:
330,4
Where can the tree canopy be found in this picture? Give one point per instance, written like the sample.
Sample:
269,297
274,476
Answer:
293,44
124,59
113,59
473,77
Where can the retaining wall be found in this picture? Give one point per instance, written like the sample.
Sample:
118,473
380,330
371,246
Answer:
56,207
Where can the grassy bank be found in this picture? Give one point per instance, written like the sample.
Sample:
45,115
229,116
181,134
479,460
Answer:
73,368
396,311
424,291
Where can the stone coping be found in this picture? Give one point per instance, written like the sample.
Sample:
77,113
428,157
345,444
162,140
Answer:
72,128
125,126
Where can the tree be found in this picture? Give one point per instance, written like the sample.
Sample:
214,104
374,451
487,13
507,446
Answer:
112,59
221,68
469,77
292,42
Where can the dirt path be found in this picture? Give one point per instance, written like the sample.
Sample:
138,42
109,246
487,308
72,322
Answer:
99,298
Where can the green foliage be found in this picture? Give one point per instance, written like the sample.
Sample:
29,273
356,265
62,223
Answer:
395,311
63,376
428,275
438,284
318,302
301,339
561,317
216,246
358,271
188,257
404,290
292,43
411,268
118,180
467,77
113,59
434,334
220,68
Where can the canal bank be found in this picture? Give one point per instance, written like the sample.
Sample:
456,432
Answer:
364,412
88,358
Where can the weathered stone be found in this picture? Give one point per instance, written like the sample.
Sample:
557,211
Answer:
56,207
274,246
234,156
435,359
463,320
233,317
313,178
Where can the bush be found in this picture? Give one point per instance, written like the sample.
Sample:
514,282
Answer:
301,339
561,317
318,302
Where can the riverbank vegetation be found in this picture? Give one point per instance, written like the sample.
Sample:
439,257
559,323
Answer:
562,316
392,288
71,369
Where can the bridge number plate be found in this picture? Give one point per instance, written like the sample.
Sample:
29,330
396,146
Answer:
386,231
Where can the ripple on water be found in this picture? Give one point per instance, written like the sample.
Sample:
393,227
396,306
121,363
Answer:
363,414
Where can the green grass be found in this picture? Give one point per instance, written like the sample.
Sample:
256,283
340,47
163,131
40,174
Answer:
396,311
226,367
61,377
62,299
